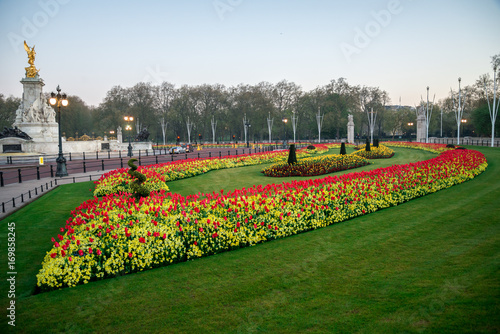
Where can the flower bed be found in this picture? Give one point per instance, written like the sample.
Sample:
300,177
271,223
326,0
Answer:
315,166
118,180
381,152
434,148
118,235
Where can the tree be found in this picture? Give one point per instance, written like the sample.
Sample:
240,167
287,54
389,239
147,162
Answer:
163,99
8,107
77,117
493,106
109,114
141,97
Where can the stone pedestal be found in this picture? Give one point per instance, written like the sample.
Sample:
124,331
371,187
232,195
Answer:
350,130
421,128
34,116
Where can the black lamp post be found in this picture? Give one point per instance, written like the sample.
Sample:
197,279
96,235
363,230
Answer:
410,125
247,125
58,100
285,120
128,127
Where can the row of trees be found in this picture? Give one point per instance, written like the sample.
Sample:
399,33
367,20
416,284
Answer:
166,109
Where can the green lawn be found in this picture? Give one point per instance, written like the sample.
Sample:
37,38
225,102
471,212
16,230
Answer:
430,265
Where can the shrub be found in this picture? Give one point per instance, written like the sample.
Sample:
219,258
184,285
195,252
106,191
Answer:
311,147
342,149
137,187
450,146
292,157
367,147
375,142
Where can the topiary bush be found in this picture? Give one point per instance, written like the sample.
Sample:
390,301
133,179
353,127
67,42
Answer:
367,147
138,190
375,142
292,157
342,149
450,146
311,147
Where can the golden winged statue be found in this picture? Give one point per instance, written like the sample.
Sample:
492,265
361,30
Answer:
31,70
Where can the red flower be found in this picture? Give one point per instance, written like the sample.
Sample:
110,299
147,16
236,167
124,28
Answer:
70,259
98,252
53,255
80,252
142,240
90,250
130,255
196,243
215,235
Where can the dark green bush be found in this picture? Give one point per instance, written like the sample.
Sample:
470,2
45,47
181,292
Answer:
292,157
367,147
342,149
311,147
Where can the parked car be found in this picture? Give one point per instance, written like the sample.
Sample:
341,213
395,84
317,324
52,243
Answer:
177,150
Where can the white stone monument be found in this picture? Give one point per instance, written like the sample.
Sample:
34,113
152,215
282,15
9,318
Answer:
34,116
350,130
421,126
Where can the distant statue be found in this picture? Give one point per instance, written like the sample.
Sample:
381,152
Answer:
31,71
14,133
350,118
143,135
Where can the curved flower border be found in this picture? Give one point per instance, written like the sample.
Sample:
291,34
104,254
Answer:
118,235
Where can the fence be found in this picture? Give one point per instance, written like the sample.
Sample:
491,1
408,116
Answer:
96,162
39,190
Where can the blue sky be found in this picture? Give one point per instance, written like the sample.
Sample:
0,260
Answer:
401,46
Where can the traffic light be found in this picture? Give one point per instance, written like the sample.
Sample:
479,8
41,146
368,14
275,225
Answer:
178,138
199,136
233,137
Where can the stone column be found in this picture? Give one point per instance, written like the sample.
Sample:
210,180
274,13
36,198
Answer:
421,128
350,130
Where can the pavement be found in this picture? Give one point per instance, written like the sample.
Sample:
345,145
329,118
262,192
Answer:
17,195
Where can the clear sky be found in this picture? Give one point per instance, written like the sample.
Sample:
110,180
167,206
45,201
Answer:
401,46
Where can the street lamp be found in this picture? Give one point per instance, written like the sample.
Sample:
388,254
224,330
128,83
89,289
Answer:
247,125
58,100
463,121
128,128
284,128
410,124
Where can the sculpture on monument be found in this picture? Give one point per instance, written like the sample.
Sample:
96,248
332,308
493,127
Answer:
143,135
34,116
31,71
16,133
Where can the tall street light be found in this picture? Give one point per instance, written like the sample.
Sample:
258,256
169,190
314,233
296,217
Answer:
128,128
247,124
410,125
284,129
58,100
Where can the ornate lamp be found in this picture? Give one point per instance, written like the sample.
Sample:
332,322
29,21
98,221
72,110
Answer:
59,100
